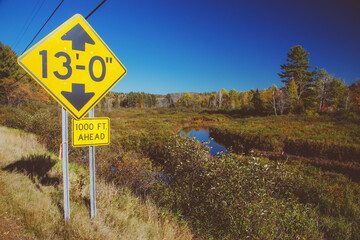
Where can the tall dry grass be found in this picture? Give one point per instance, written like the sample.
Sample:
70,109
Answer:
120,214
16,143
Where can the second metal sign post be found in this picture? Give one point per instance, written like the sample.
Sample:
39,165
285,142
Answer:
75,66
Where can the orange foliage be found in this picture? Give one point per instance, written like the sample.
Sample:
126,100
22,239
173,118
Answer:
356,99
18,92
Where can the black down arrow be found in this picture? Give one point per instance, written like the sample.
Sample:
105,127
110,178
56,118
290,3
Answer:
79,37
78,98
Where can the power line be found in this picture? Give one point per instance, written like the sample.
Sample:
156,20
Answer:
49,19
28,22
36,36
54,13
44,25
95,9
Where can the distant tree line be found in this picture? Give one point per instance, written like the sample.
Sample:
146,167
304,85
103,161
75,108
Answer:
132,100
302,90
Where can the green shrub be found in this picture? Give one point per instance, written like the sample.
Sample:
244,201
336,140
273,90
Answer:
233,197
336,198
124,168
14,117
46,124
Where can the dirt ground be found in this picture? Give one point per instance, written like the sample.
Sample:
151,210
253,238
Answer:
11,228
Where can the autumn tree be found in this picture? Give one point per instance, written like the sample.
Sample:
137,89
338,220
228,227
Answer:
291,96
132,99
186,99
212,99
355,95
220,98
297,69
339,92
234,99
8,66
281,101
198,100
245,98
205,102
16,87
138,100
332,92
323,80
115,99
169,100
223,98
271,96
9,73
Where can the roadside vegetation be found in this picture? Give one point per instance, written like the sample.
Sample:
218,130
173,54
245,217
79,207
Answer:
31,191
253,196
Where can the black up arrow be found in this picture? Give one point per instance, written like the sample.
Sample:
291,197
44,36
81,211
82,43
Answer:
79,37
78,98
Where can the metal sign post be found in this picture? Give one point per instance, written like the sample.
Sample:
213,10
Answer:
92,174
64,116
75,66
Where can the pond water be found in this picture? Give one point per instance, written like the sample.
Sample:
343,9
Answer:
202,135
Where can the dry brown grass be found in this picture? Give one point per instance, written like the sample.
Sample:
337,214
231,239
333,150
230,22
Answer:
25,200
120,214
15,143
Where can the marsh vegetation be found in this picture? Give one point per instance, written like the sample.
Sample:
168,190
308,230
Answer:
260,190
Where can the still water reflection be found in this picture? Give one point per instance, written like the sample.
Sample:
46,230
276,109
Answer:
202,135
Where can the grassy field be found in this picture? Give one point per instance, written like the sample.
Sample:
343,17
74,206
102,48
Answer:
332,143
163,121
35,201
320,129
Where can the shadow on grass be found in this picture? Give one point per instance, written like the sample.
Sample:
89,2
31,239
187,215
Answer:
36,165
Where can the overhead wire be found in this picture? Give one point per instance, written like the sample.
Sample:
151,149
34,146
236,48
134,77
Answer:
43,25
38,34
28,22
95,9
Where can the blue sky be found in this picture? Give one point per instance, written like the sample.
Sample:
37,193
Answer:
173,46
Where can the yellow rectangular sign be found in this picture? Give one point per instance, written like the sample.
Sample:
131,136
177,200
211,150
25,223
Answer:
90,132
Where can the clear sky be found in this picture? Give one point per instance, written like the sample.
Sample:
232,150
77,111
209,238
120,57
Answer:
171,46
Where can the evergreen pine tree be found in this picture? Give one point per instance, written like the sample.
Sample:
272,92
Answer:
257,103
297,69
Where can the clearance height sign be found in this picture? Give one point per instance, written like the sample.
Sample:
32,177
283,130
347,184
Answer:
90,132
74,65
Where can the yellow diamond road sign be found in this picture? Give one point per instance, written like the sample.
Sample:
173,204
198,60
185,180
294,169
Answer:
74,65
